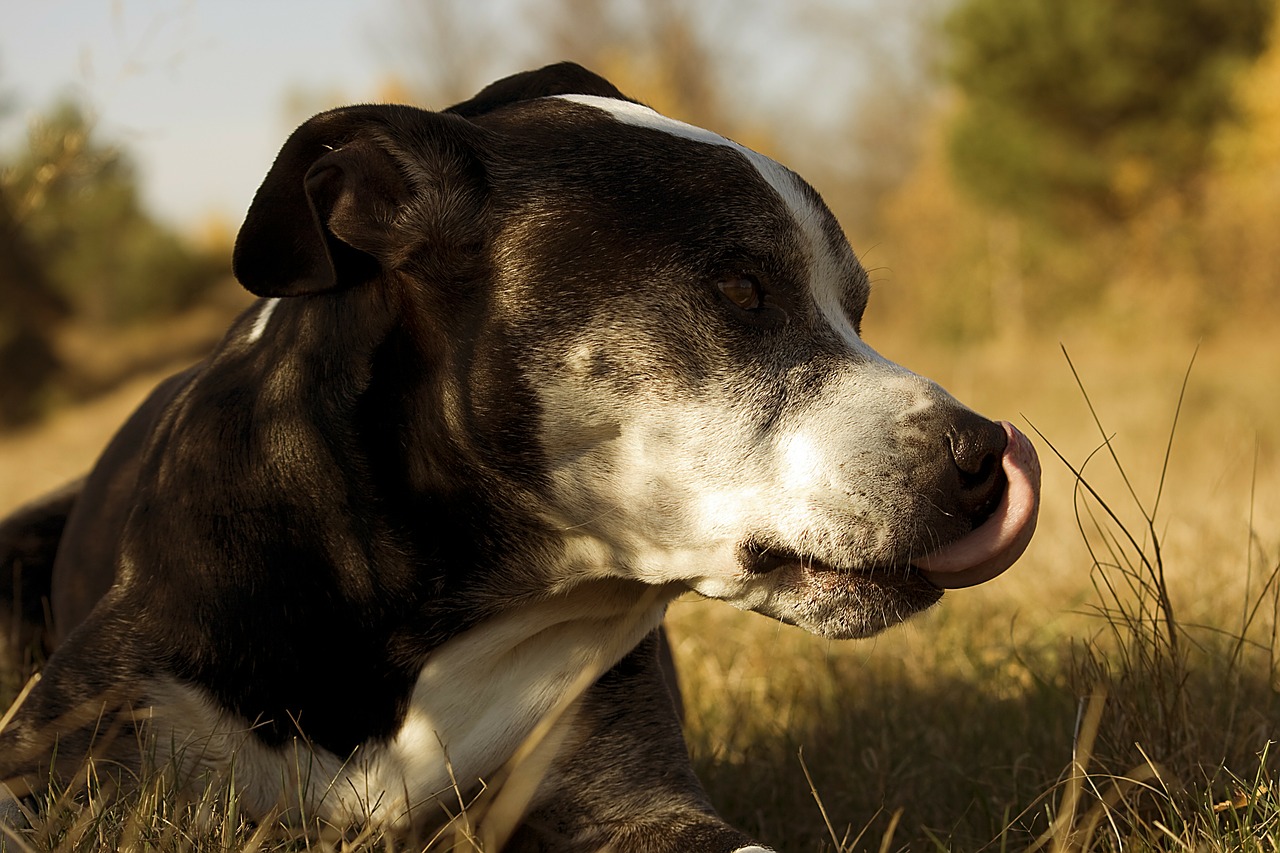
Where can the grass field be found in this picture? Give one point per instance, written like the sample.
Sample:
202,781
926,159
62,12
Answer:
1115,690
959,731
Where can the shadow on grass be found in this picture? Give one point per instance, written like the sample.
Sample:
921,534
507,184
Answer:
954,767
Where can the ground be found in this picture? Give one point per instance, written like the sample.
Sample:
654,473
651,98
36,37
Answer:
959,728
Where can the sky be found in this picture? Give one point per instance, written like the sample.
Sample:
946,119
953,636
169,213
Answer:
197,91
202,93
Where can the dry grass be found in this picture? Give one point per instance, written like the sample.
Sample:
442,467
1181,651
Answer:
967,729
1059,708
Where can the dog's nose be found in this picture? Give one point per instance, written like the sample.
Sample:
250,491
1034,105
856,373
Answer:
977,448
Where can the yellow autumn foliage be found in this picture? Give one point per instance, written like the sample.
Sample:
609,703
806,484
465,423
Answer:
1192,263
1242,199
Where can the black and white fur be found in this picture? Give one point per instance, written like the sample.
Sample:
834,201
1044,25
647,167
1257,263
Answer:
493,412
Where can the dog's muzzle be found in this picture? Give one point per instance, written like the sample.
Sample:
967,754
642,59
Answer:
999,541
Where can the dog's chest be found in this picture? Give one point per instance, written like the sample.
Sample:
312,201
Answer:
477,700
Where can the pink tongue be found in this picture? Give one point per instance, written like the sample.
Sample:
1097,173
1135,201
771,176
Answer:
999,542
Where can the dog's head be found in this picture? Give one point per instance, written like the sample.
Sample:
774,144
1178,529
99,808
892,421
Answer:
645,338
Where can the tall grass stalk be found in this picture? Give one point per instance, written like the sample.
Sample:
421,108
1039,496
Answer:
1168,691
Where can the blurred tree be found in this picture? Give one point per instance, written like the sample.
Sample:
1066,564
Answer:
844,104
31,311
1241,254
77,202
1079,111
654,51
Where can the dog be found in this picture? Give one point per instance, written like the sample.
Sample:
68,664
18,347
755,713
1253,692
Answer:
521,372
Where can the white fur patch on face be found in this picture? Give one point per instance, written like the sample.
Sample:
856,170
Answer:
662,487
659,495
260,322
681,487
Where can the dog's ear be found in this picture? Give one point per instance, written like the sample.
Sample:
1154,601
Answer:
564,78
331,211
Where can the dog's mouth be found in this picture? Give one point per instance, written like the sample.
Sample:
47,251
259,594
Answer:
759,559
975,557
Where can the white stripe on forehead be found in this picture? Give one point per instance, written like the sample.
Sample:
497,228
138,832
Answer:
638,115
825,276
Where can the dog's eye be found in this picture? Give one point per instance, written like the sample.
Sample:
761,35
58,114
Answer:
743,291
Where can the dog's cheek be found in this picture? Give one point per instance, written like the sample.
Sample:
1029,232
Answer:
505,413
661,487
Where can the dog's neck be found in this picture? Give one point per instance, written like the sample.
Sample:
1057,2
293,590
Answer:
366,569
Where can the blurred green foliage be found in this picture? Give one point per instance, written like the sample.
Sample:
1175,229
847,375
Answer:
1100,166
77,247
78,205
28,362
1077,112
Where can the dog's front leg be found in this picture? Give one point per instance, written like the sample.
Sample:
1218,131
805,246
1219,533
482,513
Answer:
624,783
